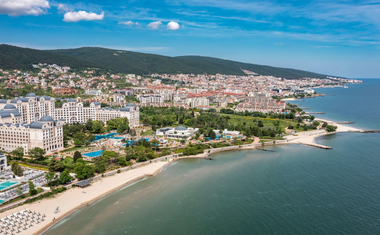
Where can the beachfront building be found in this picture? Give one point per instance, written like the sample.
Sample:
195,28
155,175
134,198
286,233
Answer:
46,134
31,108
176,133
3,162
73,112
227,132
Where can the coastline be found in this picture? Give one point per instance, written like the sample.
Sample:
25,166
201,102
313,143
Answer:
76,198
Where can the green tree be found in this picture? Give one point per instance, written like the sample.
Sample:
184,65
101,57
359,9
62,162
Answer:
32,188
212,135
330,128
50,176
122,128
19,152
77,155
83,171
65,177
37,153
97,128
17,169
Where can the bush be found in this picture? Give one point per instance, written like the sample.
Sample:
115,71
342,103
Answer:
118,171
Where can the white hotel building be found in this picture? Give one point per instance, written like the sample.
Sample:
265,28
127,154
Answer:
30,122
32,108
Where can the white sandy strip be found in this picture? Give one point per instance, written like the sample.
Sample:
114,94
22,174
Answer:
341,128
289,99
308,137
77,197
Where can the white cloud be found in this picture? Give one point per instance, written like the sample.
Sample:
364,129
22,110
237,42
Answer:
23,7
173,25
129,23
154,25
62,7
75,16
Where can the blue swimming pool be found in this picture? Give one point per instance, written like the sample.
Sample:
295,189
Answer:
109,136
1,201
130,141
94,154
6,184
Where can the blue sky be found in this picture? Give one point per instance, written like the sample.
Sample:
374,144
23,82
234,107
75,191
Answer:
330,37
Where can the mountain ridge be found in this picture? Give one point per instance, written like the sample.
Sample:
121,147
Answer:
121,61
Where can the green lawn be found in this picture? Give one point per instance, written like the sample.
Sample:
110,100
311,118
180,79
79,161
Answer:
250,121
148,132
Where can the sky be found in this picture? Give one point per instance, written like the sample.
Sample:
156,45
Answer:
335,37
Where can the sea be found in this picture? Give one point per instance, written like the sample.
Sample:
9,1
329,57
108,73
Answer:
291,189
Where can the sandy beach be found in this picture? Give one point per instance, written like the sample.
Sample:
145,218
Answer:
289,99
75,198
308,137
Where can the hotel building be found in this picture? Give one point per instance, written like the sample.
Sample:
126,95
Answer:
32,108
33,121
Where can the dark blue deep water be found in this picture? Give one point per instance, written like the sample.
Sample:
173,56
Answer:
293,190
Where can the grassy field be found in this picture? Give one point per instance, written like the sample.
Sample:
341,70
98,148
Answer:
147,133
252,121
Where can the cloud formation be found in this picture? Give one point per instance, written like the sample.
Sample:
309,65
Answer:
75,16
62,7
154,25
129,23
173,25
23,7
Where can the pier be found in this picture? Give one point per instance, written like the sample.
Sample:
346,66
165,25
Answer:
315,113
303,108
316,145
346,122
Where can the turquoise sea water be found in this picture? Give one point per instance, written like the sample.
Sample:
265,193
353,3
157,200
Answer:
359,103
293,190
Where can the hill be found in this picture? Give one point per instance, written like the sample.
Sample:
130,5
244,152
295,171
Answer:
12,57
119,61
142,63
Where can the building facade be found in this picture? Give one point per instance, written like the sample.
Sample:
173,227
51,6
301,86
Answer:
31,108
46,134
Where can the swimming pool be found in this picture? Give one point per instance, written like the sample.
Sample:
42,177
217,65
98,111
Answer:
1,201
6,184
130,141
94,154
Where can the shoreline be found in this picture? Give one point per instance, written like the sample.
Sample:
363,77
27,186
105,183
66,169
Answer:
47,227
98,190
